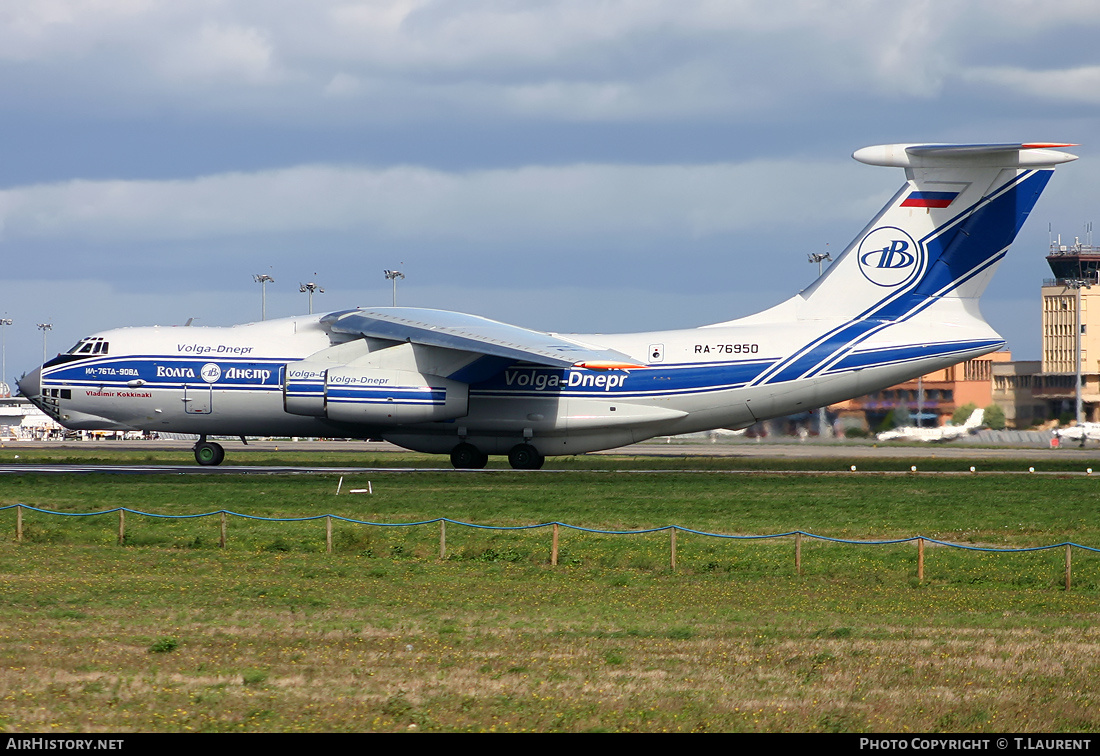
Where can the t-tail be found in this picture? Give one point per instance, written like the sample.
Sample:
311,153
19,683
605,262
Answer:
904,295
944,232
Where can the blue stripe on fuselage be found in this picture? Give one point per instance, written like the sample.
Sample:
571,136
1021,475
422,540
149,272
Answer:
385,395
895,354
665,379
167,372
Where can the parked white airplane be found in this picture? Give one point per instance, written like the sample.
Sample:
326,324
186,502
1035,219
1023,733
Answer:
1082,432
901,301
938,433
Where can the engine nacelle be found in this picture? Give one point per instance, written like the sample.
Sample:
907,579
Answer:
392,397
372,396
304,388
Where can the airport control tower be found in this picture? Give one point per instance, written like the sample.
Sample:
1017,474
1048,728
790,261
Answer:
1074,261
1069,308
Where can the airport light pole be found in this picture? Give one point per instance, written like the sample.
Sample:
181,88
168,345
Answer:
4,348
920,401
44,327
819,258
310,287
263,280
393,275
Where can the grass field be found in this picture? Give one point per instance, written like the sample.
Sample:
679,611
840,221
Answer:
172,633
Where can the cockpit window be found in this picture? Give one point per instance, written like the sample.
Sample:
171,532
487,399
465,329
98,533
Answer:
90,346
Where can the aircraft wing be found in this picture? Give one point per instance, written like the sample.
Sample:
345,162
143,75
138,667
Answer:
472,333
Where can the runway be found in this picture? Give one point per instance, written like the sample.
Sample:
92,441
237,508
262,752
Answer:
835,450
746,449
194,469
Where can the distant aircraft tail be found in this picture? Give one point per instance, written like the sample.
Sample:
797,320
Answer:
977,417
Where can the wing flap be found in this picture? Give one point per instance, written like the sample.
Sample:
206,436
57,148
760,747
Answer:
472,333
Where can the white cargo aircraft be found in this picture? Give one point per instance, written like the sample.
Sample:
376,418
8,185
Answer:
901,301
938,433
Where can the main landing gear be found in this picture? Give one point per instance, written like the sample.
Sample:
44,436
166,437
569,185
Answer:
525,457
208,453
466,456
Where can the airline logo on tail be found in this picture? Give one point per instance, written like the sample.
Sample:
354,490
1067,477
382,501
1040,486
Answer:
890,257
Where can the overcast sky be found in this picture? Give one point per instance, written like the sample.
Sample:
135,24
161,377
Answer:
588,165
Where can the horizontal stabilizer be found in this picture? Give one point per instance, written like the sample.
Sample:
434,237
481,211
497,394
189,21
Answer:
1022,155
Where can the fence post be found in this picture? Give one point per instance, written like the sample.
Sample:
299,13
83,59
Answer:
1068,547
121,526
442,539
920,560
673,549
19,523
328,534
798,552
221,541
554,548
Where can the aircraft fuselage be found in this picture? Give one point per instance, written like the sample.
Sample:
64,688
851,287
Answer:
234,381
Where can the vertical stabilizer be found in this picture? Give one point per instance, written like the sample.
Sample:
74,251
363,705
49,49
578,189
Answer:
943,233
919,267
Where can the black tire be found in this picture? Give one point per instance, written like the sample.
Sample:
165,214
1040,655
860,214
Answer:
525,457
209,454
468,457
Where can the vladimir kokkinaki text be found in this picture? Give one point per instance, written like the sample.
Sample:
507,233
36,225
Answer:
1002,743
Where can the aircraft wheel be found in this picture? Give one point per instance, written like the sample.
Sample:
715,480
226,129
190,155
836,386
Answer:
209,453
525,457
468,457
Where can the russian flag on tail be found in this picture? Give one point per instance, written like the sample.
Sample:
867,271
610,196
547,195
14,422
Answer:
929,199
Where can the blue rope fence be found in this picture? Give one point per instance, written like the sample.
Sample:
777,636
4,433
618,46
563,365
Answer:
798,535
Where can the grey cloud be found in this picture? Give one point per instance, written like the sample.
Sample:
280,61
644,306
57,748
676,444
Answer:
408,202
570,59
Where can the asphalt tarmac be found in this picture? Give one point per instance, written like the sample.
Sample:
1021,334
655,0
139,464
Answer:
237,455
844,450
